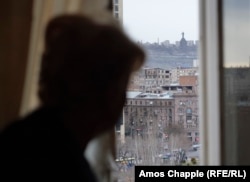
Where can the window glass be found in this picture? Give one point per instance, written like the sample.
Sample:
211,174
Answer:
236,76
164,128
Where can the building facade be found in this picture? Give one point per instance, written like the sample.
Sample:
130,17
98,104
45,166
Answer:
148,113
186,114
179,71
145,111
150,80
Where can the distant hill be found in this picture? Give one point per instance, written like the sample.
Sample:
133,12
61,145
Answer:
164,59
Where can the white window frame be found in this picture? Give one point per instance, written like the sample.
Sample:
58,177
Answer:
209,81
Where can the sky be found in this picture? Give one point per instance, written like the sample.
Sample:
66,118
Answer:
153,20
150,20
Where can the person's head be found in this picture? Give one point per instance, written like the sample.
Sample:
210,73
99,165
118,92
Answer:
86,67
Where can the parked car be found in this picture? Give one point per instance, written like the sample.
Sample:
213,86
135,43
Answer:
196,147
165,156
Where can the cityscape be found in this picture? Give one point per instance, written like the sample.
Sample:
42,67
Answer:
187,105
160,120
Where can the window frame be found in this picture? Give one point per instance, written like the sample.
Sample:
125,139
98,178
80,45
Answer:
210,82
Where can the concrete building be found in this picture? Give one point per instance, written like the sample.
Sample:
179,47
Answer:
190,43
195,63
150,80
153,90
186,114
177,43
189,81
186,106
166,43
179,71
144,111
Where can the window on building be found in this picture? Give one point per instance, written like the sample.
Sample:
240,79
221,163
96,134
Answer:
189,111
189,118
180,110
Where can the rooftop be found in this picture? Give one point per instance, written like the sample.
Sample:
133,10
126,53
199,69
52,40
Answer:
166,95
132,94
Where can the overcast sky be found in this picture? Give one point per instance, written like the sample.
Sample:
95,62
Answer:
148,20
237,33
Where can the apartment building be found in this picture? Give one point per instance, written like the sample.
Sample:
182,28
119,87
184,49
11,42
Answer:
186,114
150,80
143,111
189,82
179,71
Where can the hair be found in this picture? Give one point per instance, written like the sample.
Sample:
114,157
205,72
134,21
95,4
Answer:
82,58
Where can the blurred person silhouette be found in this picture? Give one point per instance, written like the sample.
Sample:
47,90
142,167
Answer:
84,75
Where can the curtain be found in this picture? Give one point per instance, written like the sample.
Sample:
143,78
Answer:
101,150
43,11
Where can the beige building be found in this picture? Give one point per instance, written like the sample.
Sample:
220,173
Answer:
143,111
186,113
150,80
177,72
154,90
189,81
186,105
